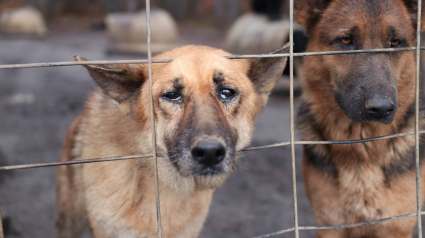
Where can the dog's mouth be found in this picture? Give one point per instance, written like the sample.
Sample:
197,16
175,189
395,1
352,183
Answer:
209,170
187,166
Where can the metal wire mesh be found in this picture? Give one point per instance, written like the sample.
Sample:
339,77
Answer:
291,143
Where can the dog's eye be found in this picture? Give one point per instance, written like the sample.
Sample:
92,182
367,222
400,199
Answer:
227,93
172,96
346,40
395,43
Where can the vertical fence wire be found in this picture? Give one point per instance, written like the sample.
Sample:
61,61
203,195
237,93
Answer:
1,225
418,58
291,102
155,159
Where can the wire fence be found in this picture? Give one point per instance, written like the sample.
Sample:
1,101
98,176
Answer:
291,143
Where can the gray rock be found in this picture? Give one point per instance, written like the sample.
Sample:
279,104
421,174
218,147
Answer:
23,21
127,32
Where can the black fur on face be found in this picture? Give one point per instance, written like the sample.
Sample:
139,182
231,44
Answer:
365,85
196,128
368,92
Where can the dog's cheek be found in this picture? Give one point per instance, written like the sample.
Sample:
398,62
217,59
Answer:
400,64
162,135
161,144
168,118
176,155
241,130
242,123
185,164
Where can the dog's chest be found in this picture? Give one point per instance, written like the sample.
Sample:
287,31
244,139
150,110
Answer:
128,209
361,191
139,221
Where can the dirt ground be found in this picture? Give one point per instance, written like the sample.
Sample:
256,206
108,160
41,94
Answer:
38,105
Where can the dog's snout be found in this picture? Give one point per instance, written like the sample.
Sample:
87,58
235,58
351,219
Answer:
209,152
380,107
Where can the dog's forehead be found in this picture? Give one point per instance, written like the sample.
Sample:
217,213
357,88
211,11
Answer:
367,17
366,11
197,65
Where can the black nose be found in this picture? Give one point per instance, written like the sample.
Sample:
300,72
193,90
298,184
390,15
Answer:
208,152
380,108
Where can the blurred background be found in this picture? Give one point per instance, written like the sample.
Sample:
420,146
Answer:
37,105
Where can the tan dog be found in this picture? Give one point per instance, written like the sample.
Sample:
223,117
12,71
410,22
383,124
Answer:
205,105
358,96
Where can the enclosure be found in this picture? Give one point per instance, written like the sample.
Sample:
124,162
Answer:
269,199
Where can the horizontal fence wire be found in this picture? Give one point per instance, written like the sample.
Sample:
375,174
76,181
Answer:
145,61
282,144
305,228
296,228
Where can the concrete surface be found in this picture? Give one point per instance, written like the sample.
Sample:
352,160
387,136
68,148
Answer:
38,105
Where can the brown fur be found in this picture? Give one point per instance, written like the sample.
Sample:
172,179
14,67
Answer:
117,199
355,183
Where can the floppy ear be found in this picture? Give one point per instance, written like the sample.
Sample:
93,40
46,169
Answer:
119,81
412,8
264,72
308,12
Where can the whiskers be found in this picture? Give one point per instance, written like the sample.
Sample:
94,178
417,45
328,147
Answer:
239,155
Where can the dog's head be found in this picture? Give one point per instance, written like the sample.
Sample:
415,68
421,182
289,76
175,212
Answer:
204,103
364,85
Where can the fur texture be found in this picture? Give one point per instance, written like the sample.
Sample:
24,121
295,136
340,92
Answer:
205,105
361,182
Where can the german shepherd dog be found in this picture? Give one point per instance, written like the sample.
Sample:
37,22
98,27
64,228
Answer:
358,96
205,105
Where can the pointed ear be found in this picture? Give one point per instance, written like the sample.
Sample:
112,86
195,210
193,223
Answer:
308,12
264,72
412,8
119,81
